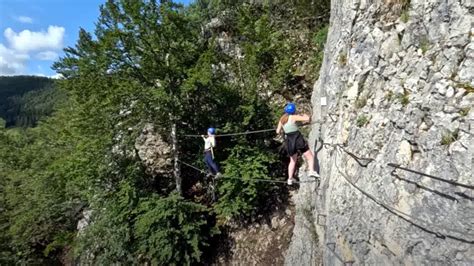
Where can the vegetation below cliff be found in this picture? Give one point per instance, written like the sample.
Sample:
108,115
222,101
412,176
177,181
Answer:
228,64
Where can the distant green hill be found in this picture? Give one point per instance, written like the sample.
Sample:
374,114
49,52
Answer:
26,99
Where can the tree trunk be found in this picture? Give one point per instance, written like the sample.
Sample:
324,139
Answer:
174,147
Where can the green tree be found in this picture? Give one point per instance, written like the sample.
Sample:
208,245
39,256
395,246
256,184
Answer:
239,195
20,103
149,61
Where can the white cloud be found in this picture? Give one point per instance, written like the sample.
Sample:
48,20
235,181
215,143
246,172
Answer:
26,40
22,46
47,56
25,19
11,61
57,76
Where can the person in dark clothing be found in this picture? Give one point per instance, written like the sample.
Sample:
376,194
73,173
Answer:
295,142
209,144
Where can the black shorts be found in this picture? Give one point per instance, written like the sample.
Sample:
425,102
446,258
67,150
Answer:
295,143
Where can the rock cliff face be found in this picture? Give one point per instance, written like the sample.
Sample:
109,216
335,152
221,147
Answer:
396,86
153,151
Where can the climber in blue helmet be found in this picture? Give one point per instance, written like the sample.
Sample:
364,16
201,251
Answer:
294,140
209,144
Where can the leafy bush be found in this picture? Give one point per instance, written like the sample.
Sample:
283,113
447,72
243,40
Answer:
171,230
239,195
129,72
128,228
319,38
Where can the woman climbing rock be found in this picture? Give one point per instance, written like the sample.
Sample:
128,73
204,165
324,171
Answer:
295,142
209,144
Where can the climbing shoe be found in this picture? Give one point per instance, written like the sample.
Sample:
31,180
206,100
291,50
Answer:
290,181
218,175
313,174
279,139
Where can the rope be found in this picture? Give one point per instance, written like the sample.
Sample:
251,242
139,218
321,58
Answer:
250,179
233,134
358,159
441,194
247,132
402,215
452,182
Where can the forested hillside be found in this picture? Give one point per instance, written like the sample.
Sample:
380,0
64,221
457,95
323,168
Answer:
24,100
110,157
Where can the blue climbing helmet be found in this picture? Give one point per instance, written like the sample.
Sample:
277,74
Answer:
290,108
211,130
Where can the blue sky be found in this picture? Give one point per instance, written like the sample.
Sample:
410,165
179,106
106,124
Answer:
34,32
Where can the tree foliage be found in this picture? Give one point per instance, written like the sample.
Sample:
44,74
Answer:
150,62
24,100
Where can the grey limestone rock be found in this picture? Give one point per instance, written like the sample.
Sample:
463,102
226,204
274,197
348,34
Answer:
153,151
417,78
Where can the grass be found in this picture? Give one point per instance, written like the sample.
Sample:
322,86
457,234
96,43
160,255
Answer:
404,98
424,44
360,102
362,120
342,59
464,111
449,137
319,38
467,86
389,96
400,5
404,16
402,82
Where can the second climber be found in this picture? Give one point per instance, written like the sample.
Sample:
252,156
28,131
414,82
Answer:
209,144
295,142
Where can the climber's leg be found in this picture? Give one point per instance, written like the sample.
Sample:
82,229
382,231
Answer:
292,165
310,160
211,165
208,161
214,166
